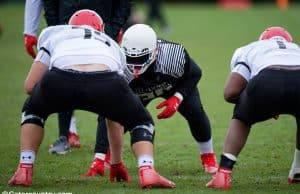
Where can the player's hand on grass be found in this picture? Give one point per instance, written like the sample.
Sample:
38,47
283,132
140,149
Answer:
118,172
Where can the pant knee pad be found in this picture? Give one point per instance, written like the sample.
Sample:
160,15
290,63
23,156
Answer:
142,133
32,118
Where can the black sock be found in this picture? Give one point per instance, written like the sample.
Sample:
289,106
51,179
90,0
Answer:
226,162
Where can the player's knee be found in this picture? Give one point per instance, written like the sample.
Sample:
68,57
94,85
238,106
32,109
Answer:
142,133
32,118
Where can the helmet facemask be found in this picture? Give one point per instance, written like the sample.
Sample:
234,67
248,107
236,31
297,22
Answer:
137,64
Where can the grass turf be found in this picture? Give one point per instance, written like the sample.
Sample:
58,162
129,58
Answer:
210,35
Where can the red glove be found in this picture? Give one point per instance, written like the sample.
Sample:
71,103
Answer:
30,43
172,104
119,173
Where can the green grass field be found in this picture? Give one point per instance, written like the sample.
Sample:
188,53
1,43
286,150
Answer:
210,34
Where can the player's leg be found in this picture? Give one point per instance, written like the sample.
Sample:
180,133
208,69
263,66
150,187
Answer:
294,174
142,146
73,137
234,142
158,14
126,108
101,159
261,100
64,120
142,137
192,110
102,145
31,138
151,13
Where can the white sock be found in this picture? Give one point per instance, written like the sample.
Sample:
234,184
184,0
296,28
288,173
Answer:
296,162
100,156
145,160
206,147
230,156
27,156
73,127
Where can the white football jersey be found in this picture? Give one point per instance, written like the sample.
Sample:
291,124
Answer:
249,60
65,45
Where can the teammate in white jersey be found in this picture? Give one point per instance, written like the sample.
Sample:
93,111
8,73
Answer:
79,67
114,14
264,82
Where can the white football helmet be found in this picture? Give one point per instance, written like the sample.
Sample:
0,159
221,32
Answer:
139,45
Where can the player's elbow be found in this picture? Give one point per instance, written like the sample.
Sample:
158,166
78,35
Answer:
28,87
231,95
234,87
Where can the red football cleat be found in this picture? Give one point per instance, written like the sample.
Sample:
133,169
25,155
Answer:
149,178
74,140
23,176
119,173
294,176
96,168
221,179
209,162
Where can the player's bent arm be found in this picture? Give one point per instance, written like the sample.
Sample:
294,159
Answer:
37,71
190,78
233,87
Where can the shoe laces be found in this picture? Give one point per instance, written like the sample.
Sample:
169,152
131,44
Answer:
224,173
208,159
97,162
60,140
73,135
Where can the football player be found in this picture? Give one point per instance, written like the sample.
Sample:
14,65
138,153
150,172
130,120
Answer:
159,68
80,67
114,14
264,82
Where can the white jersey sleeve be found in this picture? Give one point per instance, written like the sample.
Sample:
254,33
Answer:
238,64
43,46
33,9
249,60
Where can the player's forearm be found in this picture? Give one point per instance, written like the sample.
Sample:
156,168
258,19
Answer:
32,15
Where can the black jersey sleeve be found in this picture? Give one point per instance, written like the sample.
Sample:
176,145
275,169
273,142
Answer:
190,78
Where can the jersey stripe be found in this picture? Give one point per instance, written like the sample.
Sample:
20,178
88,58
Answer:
170,58
244,64
44,49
